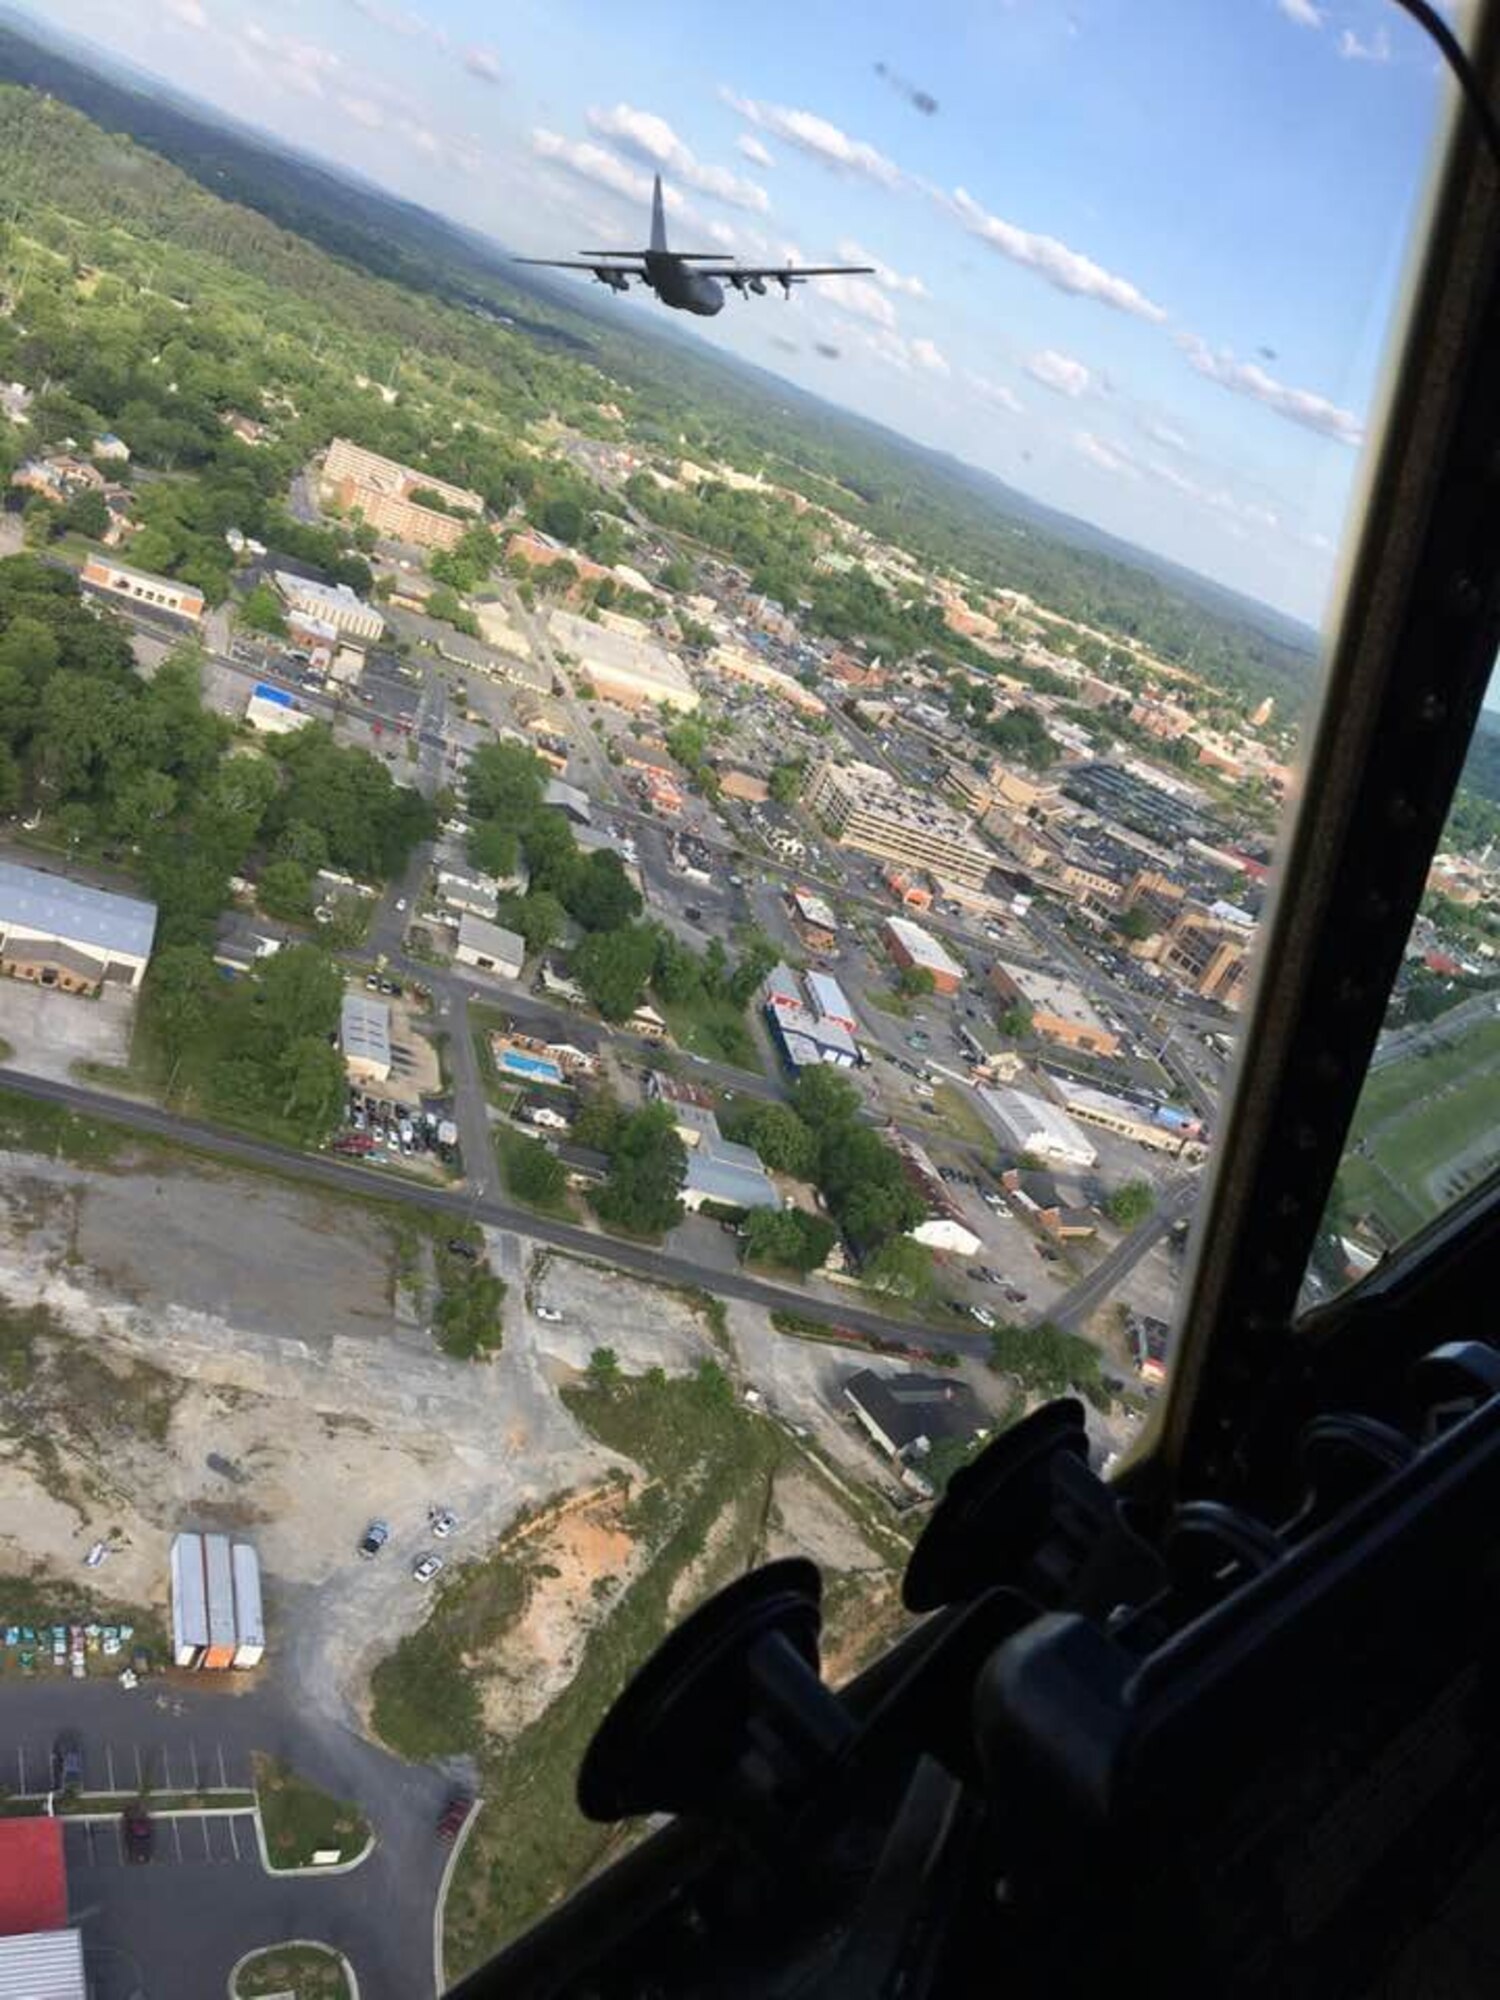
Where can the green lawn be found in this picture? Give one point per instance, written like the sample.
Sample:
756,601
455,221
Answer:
301,1821
716,1029
303,1971
889,1001
29,1126
961,1115
1416,1116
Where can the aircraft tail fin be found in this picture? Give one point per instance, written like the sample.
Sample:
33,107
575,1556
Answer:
658,218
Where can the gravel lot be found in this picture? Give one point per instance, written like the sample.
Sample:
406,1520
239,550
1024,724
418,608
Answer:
49,1031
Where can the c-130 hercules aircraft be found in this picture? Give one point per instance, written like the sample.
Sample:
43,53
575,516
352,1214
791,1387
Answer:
670,273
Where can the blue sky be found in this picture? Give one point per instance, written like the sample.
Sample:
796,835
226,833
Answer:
1142,261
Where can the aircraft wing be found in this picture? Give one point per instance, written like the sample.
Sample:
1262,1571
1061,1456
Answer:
782,273
634,268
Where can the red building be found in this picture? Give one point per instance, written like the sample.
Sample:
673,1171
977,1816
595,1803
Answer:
33,1877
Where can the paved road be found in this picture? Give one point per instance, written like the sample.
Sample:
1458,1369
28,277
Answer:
1089,1293
177,1926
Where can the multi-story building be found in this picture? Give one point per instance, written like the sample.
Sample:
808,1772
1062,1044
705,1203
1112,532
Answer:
1060,1011
332,604
866,808
917,950
1210,954
1156,894
384,491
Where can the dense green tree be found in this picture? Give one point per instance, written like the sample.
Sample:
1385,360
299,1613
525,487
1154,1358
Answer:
536,1175
285,891
784,1142
1130,1204
612,967
505,783
902,1267
915,981
823,1099
788,1237
539,918
494,848
260,610
647,1163
179,983
601,895
85,514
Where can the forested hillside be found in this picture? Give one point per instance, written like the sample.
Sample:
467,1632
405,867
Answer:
683,397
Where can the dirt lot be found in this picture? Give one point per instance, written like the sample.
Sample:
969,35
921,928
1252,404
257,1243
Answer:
646,1326
293,1393
50,1031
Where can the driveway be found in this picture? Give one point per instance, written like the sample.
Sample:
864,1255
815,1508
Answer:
49,1031
178,1926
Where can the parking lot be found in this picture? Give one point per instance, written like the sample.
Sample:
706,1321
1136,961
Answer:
149,1747
182,1840
49,1031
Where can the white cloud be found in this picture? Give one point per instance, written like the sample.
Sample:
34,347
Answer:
484,64
364,111
422,137
1069,270
1303,12
1237,513
860,298
817,137
1108,457
189,12
598,164
855,253
752,149
1059,372
401,21
927,354
995,392
1160,433
1376,50
1247,378
648,137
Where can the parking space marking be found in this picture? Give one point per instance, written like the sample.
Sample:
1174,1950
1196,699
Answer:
21,1768
234,1839
222,1779
177,1837
109,1759
140,1781
166,1769
193,1753
120,1842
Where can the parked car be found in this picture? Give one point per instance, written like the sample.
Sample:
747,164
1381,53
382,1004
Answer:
451,1820
139,1833
444,1522
67,1762
425,1568
550,1314
375,1538
461,1249
984,1316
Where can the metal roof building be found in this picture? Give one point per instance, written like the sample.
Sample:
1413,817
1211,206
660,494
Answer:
911,945
829,1000
490,947
1031,1125
63,933
33,1878
365,1037
42,1965
720,1170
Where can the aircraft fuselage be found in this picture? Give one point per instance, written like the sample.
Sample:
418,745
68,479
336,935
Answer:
676,285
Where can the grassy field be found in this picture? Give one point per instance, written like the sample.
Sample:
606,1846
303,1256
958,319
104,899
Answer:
301,1821
28,1126
716,1029
1414,1118
303,1971
961,1116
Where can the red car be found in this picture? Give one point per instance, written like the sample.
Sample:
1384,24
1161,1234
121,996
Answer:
454,1814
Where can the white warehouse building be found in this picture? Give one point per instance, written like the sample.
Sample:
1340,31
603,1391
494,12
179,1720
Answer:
1031,1125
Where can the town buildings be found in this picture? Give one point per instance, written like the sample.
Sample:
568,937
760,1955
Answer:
161,593
387,495
912,947
1060,1011
864,807
56,932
